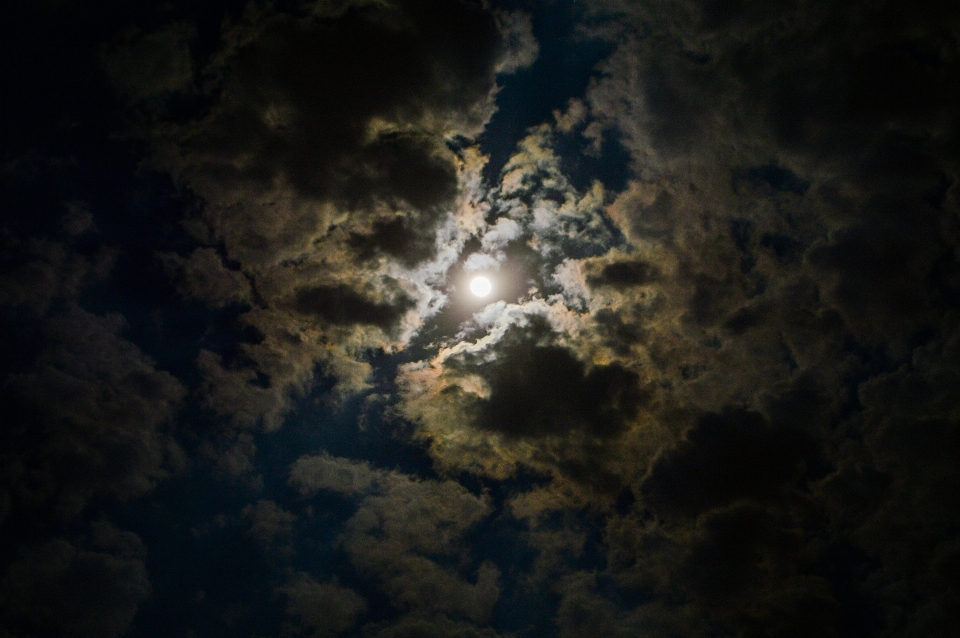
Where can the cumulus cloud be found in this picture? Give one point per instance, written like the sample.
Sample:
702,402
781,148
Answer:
88,589
312,473
724,458
404,533
204,277
100,411
268,521
322,609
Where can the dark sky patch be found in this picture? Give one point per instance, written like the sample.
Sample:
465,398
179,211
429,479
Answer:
610,164
562,70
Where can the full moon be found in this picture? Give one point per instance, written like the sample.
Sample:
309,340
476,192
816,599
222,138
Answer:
480,286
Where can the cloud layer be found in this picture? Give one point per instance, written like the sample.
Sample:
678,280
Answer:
713,391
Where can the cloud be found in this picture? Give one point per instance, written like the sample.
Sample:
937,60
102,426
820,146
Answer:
521,48
905,476
349,111
313,473
45,271
92,416
324,174
714,394
522,396
275,361
144,66
436,626
341,305
778,261
540,389
268,521
65,589
723,458
322,609
584,611
404,533
204,277
398,238
623,274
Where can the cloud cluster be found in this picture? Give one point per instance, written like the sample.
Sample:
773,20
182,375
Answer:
714,392
91,588
408,535
774,264
323,609
325,170
91,417
789,255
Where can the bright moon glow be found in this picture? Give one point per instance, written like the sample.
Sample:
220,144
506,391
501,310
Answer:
480,286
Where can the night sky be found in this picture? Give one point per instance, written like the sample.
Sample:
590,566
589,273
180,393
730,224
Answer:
246,391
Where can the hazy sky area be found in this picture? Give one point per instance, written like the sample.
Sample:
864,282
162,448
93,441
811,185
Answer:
246,390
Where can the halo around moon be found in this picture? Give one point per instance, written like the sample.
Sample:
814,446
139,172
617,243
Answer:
480,286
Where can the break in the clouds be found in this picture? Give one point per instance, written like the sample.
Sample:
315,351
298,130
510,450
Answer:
247,390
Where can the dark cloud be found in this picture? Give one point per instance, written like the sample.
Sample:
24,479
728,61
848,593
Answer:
348,110
40,271
58,588
91,417
147,67
268,521
403,534
622,274
322,609
539,389
742,566
397,238
744,319
726,457
342,305
438,626
203,276
620,335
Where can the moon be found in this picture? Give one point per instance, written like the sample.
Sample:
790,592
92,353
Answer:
480,286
